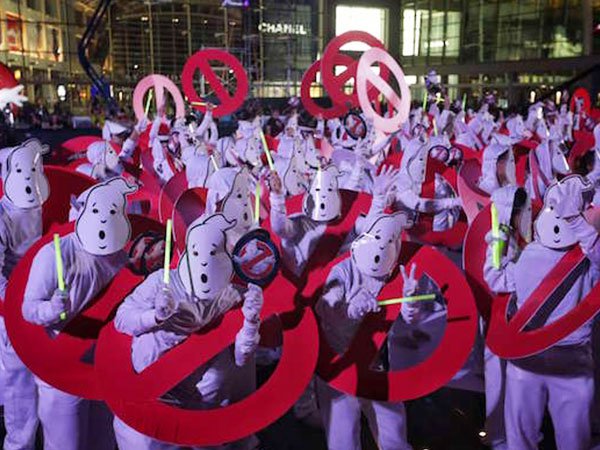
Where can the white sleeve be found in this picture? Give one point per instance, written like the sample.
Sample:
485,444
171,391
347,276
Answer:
280,223
136,315
501,279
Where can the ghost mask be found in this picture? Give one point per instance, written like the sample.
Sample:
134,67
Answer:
293,176
504,199
414,163
206,268
550,230
102,225
559,161
489,180
237,204
323,203
25,184
375,252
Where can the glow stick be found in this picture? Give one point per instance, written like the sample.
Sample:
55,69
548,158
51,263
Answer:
435,127
498,247
198,103
59,269
415,298
464,103
168,237
425,100
257,203
148,102
267,151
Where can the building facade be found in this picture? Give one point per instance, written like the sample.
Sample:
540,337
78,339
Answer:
38,41
518,48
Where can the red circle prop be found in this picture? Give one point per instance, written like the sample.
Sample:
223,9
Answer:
201,61
79,144
159,83
351,372
169,193
365,76
506,338
134,397
335,84
474,258
61,362
473,198
63,184
310,76
188,207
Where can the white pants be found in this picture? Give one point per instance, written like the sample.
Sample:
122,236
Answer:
130,439
342,413
495,384
73,423
20,397
567,396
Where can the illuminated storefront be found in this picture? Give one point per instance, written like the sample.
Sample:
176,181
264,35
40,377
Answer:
509,46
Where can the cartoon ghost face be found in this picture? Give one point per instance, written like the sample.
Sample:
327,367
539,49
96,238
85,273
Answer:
25,184
293,178
559,161
376,251
205,268
550,230
323,202
102,226
237,205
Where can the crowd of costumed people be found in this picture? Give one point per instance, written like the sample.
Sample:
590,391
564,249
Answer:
147,273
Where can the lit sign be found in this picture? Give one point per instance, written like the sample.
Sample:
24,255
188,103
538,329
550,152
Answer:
283,28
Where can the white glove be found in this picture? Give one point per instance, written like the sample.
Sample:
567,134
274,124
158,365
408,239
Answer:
141,126
450,203
60,303
410,283
570,200
12,95
384,183
411,312
361,304
491,239
253,302
165,305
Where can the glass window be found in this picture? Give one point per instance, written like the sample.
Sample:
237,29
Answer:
371,20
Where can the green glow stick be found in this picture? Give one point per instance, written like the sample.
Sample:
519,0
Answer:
148,102
498,247
425,100
168,237
435,127
267,151
415,298
59,269
257,203
464,103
